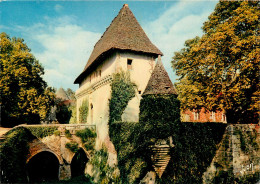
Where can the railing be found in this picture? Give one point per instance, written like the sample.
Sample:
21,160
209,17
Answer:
67,126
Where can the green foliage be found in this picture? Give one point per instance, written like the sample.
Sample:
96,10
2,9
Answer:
25,97
13,154
42,131
132,162
83,112
248,139
87,137
159,114
73,118
71,94
67,134
220,70
195,147
85,134
101,169
195,143
63,112
72,146
56,132
123,90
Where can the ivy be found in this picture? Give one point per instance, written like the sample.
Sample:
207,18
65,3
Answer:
83,111
72,146
42,131
13,154
68,134
87,137
102,171
123,90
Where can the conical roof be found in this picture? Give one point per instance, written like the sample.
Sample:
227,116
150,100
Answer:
159,82
124,33
62,94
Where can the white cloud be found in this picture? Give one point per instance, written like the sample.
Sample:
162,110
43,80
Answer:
63,49
66,51
180,22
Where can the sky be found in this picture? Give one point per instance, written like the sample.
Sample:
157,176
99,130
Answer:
62,34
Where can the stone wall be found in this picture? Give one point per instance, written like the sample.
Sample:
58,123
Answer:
238,156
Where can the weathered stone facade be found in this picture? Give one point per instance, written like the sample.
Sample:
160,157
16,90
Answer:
238,153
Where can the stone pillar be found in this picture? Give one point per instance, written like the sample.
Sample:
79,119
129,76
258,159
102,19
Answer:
65,172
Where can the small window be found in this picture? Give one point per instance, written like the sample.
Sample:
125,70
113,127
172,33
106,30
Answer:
99,73
195,116
213,116
224,118
129,64
139,91
167,87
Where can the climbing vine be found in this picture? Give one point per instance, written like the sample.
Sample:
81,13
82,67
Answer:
102,171
87,137
13,152
123,90
72,146
42,131
83,111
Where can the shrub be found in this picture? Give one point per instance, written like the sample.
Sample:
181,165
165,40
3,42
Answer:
42,131
13,154
83,112
72,146
67,134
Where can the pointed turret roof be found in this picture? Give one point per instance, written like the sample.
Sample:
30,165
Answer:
124,33
159,82
62,94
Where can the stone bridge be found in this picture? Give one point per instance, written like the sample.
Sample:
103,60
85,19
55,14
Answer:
50,157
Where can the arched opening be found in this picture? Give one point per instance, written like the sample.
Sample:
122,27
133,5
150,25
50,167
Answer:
78,163
43,167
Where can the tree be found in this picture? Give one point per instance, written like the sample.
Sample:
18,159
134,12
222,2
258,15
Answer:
220,70
71,94
25,97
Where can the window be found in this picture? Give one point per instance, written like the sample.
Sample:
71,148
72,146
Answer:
195,115
224,118
213,116
99,73
139,91
129,64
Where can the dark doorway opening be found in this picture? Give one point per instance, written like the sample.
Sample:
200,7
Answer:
43,167
78,163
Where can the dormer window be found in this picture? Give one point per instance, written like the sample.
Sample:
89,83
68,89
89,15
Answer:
167,87
129,64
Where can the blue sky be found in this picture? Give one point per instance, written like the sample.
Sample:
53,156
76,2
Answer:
61,34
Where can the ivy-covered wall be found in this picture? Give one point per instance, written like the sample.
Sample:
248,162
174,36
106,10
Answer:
122,91
13,152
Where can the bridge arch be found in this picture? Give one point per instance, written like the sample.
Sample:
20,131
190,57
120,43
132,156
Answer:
78,162
43,167
35,152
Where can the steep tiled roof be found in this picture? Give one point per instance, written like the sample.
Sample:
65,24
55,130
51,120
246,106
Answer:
124,33
159,83
62,94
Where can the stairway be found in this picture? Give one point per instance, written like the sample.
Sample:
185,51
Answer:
160,158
